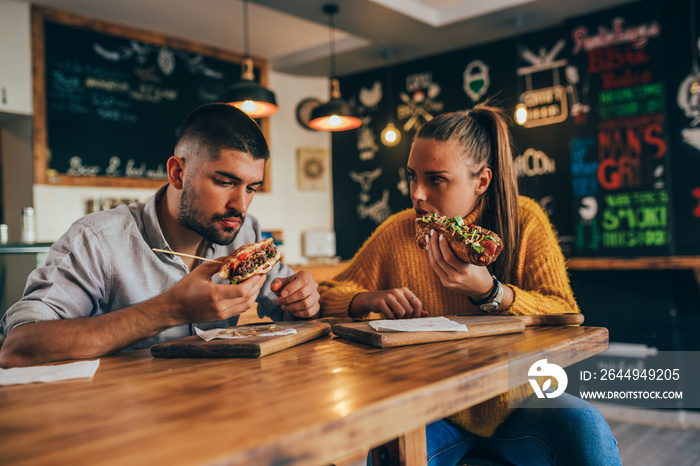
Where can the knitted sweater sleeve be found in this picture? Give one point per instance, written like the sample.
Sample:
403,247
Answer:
542,285
362,274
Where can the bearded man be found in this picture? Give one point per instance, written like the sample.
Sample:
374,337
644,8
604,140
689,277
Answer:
104,290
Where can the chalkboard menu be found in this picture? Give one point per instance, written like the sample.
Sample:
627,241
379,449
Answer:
619,150
110,100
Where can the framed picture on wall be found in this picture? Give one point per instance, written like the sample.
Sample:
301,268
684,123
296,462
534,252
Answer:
312,168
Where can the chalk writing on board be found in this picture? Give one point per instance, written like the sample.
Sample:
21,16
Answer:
114,103
419,104
629,151
366,140
696,194
548,104
689,102
584,172
636,219
619,33
377,211
365,179
619,154
476,80
534,162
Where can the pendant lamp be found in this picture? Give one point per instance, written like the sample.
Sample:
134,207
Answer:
391,135
254,99
336,114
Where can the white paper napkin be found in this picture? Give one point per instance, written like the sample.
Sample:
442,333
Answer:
72,370
426,324
221,334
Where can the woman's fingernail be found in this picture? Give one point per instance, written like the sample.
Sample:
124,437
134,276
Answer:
431,232
440,238
427,239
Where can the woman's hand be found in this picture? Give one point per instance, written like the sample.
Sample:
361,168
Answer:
397,303
454,274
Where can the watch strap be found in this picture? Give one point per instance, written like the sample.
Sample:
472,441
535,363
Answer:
490,297
496,303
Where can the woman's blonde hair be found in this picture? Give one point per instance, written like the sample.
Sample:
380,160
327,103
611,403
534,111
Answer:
484,134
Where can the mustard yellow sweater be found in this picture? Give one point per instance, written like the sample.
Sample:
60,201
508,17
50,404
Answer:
390,258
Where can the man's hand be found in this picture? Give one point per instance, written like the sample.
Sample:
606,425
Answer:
396,303
297,294
195,298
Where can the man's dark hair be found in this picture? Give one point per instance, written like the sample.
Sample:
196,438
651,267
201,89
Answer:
212,128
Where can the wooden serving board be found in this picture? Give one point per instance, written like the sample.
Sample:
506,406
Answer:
250,347
477,326
551,319
545,319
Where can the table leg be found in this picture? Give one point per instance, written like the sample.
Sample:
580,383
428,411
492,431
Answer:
408,450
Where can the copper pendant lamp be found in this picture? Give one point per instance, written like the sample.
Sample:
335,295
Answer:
336,114
254,99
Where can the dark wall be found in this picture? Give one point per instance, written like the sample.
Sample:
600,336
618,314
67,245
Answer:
658,308
608,147
682,54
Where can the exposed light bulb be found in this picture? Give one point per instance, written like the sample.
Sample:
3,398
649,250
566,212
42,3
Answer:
390,135
520,113
334,120
256,109
249,106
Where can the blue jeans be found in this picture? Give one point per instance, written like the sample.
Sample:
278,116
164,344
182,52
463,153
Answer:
576,434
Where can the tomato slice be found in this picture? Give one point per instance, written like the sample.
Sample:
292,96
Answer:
243,256
489,247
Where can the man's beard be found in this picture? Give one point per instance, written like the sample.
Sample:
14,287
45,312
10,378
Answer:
189,216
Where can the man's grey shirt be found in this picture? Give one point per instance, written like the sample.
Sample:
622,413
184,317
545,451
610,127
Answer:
105,262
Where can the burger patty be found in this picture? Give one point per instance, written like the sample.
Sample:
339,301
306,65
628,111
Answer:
255,260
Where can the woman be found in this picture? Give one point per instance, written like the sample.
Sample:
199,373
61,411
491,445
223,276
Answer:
462,164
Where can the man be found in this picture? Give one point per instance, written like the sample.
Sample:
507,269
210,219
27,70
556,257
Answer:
103,289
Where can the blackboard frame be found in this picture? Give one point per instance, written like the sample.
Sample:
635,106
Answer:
40,15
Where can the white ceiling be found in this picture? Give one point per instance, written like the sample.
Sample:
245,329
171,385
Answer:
438,13
293,35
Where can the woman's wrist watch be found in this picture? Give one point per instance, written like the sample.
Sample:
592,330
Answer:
493,300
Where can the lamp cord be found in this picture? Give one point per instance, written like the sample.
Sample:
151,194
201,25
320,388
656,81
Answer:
389,87
245,28
693,40
331,25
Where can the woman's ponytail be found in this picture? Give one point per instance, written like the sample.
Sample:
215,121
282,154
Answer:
500,206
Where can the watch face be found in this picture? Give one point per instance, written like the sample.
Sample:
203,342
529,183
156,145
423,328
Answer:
488,307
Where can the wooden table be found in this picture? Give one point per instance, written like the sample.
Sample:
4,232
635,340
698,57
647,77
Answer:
311,405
